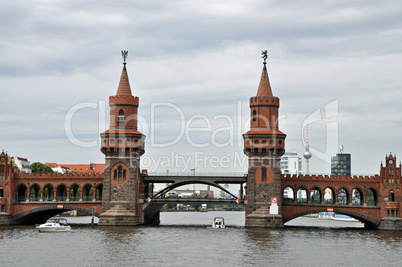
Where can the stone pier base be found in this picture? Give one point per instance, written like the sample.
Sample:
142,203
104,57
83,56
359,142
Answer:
393,224
6,219
119,216
262,219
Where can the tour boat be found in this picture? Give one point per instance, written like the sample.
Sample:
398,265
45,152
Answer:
218,222
54,224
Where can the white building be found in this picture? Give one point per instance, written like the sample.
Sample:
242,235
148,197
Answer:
291,163
22,164
61,169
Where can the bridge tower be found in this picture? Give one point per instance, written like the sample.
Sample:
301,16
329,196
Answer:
123,146
264,144
390,196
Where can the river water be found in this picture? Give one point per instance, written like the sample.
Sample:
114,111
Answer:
186,239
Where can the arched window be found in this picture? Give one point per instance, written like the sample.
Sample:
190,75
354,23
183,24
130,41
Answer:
120,117
288,195
343,197
254,115
1,191
391,197
301,195
315,195
371,197
119,173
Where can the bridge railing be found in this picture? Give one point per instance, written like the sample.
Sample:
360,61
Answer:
228,174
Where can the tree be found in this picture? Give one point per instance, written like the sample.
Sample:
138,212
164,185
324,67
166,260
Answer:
38,167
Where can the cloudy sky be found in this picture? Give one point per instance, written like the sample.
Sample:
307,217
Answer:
194,66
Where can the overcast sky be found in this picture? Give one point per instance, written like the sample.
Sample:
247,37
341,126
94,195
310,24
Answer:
196,64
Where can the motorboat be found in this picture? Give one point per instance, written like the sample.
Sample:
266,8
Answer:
54,224
344,218
218,222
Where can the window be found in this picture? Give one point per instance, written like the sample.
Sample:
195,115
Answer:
119,173
120,117
254,115
264,174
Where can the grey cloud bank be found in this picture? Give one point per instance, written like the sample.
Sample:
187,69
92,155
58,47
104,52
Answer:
203,57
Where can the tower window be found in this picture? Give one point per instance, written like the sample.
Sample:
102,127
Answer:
119,173
254,115
120,117
264,174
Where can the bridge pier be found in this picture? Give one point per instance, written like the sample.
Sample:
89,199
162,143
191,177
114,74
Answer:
262,219
391,223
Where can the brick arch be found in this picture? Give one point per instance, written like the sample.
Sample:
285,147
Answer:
334,194
305,189
361,192
293,190
319,189
369,221
41,214
36,197
347,191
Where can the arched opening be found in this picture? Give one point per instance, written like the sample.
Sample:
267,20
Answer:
1,191
329,196
391,196
34,193
357,197
22,193
288,195
315,195
99,192
301,195
343,197
74,193
87,193
371,197
61,193
48,193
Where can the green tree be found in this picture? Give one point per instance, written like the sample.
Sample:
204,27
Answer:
38,167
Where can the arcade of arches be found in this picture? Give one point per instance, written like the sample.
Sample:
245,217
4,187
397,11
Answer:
59,192
342,196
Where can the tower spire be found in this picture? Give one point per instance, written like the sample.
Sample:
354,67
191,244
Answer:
124,84
264,89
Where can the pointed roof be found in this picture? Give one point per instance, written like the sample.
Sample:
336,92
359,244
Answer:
124,85
265,87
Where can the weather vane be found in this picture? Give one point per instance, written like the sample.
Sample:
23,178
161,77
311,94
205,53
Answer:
264,54
124,54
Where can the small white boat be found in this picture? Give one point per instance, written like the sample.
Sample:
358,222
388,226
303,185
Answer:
54,224
344,218
218,222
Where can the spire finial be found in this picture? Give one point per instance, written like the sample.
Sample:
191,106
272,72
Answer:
264,54
124,54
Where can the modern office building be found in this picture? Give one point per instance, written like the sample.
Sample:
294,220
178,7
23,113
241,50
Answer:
340,164
291,163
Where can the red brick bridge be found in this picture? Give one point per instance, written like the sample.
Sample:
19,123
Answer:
32,198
